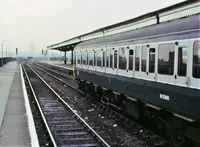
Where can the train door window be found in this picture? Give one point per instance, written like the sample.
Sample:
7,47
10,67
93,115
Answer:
137,58
182,61
152,56
94,58
104,56
166,58
107,57
122,59
196,60
144,58
99,58
111,58
115,59
91,58
131,59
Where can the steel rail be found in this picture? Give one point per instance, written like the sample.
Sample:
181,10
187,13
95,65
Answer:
40,109
83,122
59,79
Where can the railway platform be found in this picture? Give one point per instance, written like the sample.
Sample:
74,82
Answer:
16,122
59,64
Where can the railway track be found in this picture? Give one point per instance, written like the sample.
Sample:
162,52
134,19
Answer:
159,141
65,127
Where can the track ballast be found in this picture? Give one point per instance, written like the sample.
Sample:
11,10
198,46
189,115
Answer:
66,127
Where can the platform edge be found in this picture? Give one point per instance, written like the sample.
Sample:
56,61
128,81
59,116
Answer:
31,124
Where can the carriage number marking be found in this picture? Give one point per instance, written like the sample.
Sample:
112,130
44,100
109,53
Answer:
164,97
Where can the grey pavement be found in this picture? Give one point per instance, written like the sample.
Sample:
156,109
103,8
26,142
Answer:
58,64
7,73
14,129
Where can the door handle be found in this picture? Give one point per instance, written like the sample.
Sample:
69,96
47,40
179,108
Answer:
187,81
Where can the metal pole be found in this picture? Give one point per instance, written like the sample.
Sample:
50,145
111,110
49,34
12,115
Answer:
2,55
2,51
6,54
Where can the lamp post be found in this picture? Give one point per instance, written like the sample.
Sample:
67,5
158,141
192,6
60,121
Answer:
7,52
2,51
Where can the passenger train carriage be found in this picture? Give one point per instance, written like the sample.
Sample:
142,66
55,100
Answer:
147,71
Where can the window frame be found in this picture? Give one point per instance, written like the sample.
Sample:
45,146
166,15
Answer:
174,61
195,77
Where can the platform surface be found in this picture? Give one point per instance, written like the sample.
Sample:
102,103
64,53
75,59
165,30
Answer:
59,64
13,119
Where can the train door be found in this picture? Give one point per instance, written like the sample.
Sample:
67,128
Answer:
90,60
151,66
122,61
79,59
87,59
137,61
181,56
144,53
131,61
99,59
84,59
95,60
194,68
166,63
115,61
109,60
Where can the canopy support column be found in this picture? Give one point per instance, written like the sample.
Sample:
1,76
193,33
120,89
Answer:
65,61
72,56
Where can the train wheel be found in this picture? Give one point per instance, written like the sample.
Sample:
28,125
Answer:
105,98
178,138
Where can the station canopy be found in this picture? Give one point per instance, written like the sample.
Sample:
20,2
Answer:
177,11
65,48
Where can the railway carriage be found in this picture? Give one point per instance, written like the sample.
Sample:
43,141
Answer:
151,72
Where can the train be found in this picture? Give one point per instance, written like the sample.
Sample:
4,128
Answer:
150,73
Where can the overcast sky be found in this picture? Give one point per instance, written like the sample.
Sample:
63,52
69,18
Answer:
45,22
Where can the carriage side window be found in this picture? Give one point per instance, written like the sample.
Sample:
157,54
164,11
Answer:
122,59
144,58
99,58
91,58
107,57
131,59
115,59
182,61
111,58
196,60
94,58
137,58
104,56
166,58
152,56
